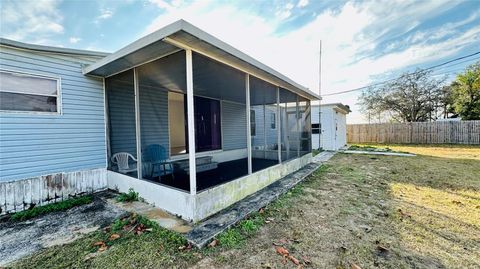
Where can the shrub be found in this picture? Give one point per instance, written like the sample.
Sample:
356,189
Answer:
130,196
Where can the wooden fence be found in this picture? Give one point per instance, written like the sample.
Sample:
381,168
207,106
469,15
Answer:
440,132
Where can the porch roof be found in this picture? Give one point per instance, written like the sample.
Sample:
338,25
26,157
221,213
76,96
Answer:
179,35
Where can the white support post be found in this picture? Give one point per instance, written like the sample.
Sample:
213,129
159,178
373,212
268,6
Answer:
107,126
297,122
309,125
191,124
249,130
279,128
264,131
137,123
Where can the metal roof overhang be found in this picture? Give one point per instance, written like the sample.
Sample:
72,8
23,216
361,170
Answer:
183,35
57,50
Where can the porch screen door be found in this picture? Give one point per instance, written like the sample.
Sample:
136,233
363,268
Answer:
208,134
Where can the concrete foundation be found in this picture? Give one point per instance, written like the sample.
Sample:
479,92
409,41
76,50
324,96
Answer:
208,202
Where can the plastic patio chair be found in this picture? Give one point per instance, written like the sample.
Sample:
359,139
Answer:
121,159
156,156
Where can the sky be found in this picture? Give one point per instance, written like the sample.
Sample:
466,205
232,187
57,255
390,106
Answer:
363,42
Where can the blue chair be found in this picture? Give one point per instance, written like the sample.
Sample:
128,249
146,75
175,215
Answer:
157,158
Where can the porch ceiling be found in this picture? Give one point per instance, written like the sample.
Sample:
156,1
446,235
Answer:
184,35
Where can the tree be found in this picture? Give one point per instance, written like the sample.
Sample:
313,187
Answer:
466,93
411,97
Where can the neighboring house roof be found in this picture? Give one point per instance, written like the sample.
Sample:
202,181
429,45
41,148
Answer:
179,35
41,48
344,108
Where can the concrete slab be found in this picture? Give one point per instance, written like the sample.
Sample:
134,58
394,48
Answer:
378,153
203,232
323,156
164,219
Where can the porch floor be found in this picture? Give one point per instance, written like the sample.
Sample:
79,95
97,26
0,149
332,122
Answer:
225,172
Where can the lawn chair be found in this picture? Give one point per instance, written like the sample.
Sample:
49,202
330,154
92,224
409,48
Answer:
121,159
156,158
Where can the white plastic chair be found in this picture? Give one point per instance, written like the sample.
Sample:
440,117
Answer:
121,160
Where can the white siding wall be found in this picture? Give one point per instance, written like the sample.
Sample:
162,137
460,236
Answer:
342,130
46,158
234,126
39,144
264,131
328,129
154,117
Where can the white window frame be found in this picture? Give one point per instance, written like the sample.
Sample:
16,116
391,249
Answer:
58,95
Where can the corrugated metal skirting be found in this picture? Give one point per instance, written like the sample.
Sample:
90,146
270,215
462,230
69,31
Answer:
23,194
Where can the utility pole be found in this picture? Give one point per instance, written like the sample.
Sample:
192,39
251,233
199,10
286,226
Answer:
320,94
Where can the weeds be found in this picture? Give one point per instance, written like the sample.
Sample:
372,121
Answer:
231,238
248,227
42,210
316,151
236,235
130,196
320,171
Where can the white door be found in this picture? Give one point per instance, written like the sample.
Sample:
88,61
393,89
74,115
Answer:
335,143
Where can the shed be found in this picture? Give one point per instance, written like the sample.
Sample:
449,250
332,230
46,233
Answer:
333,125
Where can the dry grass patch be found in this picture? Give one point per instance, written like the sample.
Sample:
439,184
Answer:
441,150
439,223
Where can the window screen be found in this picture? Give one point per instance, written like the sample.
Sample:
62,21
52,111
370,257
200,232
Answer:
273,123
22,92
253,124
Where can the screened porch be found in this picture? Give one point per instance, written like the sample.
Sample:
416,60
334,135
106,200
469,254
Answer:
189,122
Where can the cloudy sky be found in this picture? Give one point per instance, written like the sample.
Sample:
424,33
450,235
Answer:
363,41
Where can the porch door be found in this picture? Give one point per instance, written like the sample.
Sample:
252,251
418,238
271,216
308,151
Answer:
336,135
292,134
207,124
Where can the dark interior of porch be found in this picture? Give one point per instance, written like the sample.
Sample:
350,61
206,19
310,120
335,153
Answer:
225,172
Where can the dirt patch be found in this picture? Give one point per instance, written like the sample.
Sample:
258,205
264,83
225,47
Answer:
449,151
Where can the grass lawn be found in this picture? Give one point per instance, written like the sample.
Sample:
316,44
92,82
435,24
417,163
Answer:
363,210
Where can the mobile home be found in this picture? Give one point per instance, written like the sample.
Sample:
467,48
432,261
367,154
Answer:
189,122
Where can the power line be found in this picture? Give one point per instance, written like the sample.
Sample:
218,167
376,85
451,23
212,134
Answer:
465,61
385,81
449,72
454,60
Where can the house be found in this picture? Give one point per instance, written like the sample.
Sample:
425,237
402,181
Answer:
333,124
189,122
